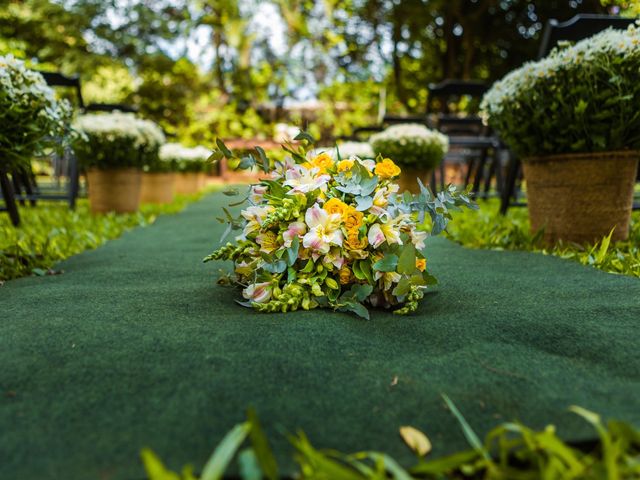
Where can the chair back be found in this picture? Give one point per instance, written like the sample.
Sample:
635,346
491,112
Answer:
57,79
440,97
578,28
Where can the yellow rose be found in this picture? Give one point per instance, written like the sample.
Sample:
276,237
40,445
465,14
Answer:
354,242
344,165
352,218
323,162
387,169
344,275
421,264
335,205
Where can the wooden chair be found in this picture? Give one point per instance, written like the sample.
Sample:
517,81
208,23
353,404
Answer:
575,29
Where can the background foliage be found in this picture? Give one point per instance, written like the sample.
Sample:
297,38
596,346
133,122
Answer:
207,67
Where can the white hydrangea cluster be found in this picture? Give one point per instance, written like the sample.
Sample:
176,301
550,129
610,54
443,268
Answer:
411,143
118,125
178,152
184,158
353,149
610,42
30,115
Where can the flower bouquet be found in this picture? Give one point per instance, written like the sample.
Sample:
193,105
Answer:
328,233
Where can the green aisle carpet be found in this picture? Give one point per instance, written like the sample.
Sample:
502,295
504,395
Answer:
134,345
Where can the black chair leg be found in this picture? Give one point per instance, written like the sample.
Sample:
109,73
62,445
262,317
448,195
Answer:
509,189
9,198
480,172
74,181
470,166
28,183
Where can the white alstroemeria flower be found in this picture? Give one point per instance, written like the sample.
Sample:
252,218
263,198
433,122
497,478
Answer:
334,257
305,181
388,278
368,164
388,231
257,193
418,237
324,230
258,292
295,229
255,215
280,169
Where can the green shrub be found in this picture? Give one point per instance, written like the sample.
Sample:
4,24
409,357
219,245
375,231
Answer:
411,144
583,98
118,140
31,119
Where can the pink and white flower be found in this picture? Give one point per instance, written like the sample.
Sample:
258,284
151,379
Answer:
388,231
258,292
324,230
257,193
295,229
305,181
255,215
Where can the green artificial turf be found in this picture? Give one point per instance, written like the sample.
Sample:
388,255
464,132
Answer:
135,345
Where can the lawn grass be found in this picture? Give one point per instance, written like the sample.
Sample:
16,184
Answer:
51,232
488,229
136,346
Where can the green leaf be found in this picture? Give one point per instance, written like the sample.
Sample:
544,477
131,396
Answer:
154,467
364,203
361,292
217,464
402,288
278,266
357,271
407,260
357,308
305,136
388,263
308,268
292,251
469,434
261,447
249,467
223,148
365,268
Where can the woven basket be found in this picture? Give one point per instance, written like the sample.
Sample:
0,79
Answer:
409,175
157,188
186,183
114,190
581,197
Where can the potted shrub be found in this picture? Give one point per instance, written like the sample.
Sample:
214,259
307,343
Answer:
31,118
113,151
573,118
158,176
190,166
417,149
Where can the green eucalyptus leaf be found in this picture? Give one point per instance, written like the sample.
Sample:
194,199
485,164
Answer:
388,263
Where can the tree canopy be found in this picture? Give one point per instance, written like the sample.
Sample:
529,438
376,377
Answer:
207,67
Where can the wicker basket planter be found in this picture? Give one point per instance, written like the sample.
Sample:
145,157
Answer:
409,175
157,188
186,183
581,197
114,190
